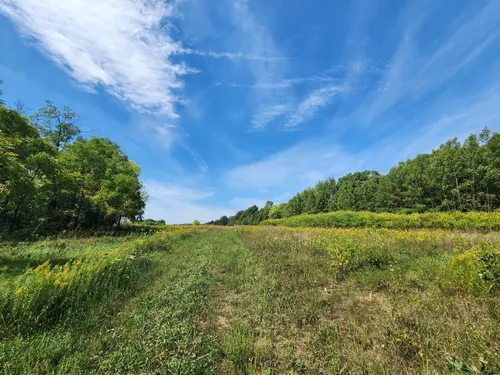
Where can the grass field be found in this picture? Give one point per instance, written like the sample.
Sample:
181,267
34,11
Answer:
253,300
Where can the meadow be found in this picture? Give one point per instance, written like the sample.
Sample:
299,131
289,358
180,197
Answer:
253,300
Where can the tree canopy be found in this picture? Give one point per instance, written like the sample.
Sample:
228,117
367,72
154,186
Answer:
455,177
53,179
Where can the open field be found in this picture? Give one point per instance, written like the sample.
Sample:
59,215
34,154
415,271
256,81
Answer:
253,300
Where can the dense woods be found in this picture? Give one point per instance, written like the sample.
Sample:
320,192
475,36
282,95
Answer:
52,178
456,177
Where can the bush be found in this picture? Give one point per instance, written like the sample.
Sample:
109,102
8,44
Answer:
161,241
45,294
350,219
476,272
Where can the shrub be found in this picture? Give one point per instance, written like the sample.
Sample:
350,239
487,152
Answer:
476,272
45,294
349,219
161,241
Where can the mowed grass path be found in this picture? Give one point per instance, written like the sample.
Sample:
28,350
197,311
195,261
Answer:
227,302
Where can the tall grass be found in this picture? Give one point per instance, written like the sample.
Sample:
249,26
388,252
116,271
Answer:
349,219
375,301
44,295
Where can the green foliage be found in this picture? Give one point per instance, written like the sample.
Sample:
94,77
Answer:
348,219
43,295
238,346
456,177
476,272
454,365
356,192
152,222
2,102
52,180
58,127
196,222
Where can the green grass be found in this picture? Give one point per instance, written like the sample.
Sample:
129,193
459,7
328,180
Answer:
257,300
437,220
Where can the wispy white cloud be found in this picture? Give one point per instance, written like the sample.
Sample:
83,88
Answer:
258,41
414,73
301,165
314,101
294,168
159,190
121,46
178,204
197,157
268,113
286,83
228,55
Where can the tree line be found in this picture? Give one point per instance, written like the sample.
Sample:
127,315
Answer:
52,178
455,177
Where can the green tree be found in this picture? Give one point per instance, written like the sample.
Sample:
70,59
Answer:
356,192
57,126
106,183
324,191
2,102
223,220
277,211
27,159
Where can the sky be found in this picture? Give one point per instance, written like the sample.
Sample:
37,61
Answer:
229,103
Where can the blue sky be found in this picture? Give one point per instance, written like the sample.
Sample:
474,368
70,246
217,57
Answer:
225,104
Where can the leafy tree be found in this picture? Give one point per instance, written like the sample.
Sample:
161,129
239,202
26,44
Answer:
2,102
356,192
106,182
57,126
26,162
51,179
223,221
324,191
277,211
462,177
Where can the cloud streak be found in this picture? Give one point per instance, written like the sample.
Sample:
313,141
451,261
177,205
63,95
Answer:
316,100
121,46
413,74
269,104
228,55
178,204
296,167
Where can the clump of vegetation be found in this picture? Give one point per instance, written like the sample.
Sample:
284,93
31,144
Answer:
43,295
475,271
238,346
437,220
53,179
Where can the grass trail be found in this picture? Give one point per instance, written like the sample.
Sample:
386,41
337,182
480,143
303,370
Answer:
165,329
233,301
